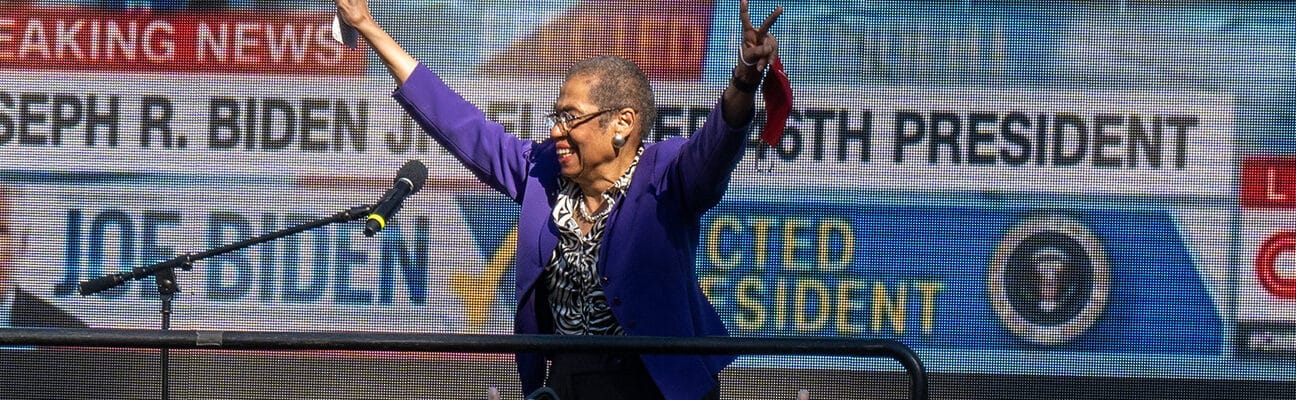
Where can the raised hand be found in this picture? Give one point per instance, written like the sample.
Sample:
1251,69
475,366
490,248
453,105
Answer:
354,12
759,47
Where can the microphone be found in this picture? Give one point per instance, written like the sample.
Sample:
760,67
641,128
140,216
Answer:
409,179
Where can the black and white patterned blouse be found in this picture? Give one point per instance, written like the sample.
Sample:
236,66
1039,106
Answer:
575,295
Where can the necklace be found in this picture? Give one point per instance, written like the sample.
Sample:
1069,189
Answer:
609,197
583,213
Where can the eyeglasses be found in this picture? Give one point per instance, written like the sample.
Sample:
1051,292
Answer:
567,121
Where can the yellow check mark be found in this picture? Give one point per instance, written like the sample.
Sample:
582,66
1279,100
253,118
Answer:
479,291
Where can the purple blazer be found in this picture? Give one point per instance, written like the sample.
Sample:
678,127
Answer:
649,249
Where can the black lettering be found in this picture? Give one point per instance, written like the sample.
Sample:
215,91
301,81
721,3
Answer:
525,119
312,123
698,116
820,117
287,119
944,137
356,124
903,120
494,111
977,137
28,117
109,119
754,142
1017,138
1150,143
401,140
846,134
65,112
1041,140
1181,123
250,123
222,126
663,130
6,120
1062,124
155,117
791,145
1102,140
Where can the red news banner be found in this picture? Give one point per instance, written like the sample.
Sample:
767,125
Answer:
1268,182
232,42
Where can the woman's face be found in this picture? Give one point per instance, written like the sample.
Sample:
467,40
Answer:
583,143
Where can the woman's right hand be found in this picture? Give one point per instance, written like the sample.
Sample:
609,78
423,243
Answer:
398,62
354,12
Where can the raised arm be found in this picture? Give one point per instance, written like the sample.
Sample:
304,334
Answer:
701,172
756,52
399,63
496,157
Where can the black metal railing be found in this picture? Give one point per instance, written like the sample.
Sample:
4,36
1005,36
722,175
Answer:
462,343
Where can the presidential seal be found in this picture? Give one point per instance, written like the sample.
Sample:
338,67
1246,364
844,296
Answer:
1049,279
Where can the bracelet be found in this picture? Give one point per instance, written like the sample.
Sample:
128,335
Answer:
743,86
743,59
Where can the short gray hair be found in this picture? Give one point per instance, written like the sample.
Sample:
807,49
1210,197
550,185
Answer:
620,84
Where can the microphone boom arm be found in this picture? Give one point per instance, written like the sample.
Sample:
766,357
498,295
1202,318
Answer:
185,261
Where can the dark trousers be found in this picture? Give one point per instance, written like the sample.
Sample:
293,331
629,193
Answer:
604,377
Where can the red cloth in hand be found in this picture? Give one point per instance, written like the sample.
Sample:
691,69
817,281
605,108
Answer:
778,102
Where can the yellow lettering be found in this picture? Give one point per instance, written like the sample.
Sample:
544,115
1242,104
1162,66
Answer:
708,283
792,242
751,311
885,306
844,256
714,237
846,307
760,230
927,291
805,318
780,305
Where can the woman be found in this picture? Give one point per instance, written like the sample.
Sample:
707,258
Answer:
609,226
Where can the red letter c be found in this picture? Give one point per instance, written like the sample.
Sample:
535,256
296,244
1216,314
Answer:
1266,265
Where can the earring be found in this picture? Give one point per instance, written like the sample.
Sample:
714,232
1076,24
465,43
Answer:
618,140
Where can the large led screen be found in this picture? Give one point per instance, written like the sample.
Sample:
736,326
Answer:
1054,199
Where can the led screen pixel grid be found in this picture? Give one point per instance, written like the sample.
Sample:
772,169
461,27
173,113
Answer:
1056,194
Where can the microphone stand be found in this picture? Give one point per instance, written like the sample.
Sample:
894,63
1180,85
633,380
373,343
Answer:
167,288
164,273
